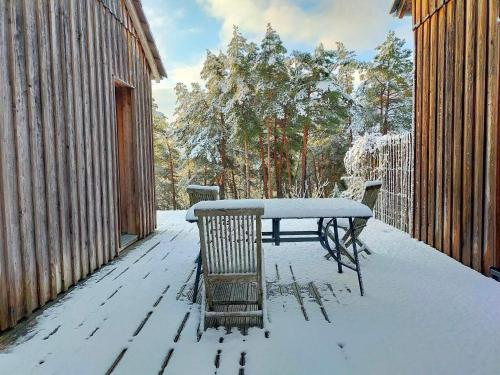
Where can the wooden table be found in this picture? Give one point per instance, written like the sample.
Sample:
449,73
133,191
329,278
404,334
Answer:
325,210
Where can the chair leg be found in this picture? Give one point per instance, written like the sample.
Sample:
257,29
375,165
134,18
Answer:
343,249
260,303
356,258
364,248
197,278
203,325
347,254
263,294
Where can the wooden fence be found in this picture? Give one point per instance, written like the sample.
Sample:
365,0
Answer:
392,163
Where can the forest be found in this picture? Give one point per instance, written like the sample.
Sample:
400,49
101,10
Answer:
268,123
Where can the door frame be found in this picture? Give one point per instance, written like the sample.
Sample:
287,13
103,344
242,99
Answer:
125,155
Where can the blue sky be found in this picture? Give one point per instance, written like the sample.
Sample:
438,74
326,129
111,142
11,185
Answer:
185,29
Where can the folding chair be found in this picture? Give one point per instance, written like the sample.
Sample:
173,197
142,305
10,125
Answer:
198,193
372,189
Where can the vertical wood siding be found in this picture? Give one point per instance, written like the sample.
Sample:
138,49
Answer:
456,128
58,167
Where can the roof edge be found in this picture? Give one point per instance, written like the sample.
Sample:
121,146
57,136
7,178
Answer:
146,39
401,8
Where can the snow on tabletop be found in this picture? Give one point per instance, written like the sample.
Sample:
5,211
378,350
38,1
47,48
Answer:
423,313
373,183
203,187
297,208
229,204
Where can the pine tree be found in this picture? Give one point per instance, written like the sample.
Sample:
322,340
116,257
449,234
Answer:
320,103
215,74
347,66
196,132
272,96
166,158
386,92
241,96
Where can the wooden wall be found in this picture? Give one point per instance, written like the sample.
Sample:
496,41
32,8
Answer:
58,180
456,128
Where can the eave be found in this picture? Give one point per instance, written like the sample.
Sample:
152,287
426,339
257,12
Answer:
136,12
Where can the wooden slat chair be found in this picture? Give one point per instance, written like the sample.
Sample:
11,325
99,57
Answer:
198,193
233,270
370,195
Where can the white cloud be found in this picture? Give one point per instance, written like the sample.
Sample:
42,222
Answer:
360,24
163,92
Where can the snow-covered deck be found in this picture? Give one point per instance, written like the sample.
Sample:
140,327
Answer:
422,313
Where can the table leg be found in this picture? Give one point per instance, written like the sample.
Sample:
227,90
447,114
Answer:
356,259
276,231
197,278
321,233
337,245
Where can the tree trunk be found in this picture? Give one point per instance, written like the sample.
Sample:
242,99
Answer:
381,112
315,169
247,169
222,150
235,189
305,137
263,165
385,129
321,162
172,179
277,162
350,131
287,153
282,156
269,170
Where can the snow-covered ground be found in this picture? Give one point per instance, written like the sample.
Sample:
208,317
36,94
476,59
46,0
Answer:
423,313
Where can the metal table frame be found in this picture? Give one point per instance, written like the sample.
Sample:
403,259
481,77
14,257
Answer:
321,235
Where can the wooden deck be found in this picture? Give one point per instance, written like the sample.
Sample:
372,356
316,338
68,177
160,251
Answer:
134,316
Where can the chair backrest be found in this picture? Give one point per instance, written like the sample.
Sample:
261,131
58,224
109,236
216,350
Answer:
198,193
369,199
231,241
370,195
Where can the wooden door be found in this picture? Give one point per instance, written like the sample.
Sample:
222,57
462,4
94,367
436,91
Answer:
496,252
127,202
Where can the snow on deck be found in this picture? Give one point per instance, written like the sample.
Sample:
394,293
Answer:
422,313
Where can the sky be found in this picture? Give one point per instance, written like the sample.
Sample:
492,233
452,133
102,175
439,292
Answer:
185,29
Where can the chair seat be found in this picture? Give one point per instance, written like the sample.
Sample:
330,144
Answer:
235,305
234,314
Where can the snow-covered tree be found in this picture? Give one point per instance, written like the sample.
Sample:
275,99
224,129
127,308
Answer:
271,94
267,123
241,101
385,95
214,73
319,100
167,163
